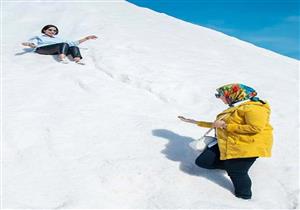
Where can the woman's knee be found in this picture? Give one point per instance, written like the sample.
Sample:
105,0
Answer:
203,162
64,48
74,48
64,44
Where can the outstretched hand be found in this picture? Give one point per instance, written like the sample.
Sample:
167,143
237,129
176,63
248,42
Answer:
91,37
187,120
87,38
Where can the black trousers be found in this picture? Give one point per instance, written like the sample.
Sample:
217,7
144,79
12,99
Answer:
237,169
60,48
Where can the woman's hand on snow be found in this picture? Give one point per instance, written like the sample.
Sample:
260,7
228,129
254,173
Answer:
28,44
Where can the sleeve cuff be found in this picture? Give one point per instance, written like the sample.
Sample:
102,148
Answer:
204,124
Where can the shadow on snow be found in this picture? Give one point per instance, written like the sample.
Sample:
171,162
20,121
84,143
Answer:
178,150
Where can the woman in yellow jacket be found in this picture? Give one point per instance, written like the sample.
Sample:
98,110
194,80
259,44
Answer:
243,132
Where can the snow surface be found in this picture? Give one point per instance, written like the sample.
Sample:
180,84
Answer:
106,135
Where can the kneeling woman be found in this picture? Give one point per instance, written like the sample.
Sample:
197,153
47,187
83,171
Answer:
243,132
49,44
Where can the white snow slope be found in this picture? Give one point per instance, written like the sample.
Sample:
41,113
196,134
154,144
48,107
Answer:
106,135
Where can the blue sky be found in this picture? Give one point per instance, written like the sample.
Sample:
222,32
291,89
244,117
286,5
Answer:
271,24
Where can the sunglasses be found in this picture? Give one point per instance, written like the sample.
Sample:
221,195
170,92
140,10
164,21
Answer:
51,30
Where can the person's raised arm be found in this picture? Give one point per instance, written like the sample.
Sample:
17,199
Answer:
187,120
199,123
87,38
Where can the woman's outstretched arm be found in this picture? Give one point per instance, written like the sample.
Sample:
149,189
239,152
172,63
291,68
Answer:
199,123
87,38
187,120
29,44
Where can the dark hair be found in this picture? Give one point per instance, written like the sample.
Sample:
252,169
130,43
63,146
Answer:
49,26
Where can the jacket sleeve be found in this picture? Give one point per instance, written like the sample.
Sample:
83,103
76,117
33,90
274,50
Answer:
34,40
255,121
204,124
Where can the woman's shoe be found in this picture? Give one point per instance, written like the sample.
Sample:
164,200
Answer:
64,61
246,197
80,62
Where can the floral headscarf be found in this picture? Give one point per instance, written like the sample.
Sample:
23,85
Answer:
237,92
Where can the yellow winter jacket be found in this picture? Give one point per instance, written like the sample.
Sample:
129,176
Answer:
248,132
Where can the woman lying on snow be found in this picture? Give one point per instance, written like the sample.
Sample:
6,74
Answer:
49,44
243,134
